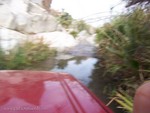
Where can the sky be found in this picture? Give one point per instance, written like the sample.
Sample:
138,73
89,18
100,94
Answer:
89,10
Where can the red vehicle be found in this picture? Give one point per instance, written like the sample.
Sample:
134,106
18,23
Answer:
46,92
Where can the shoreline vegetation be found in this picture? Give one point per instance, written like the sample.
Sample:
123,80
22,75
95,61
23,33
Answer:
124,50
25,55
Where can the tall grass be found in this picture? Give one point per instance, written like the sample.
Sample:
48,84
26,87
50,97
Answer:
125,42
124,45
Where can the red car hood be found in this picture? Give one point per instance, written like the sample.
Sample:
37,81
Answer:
45,92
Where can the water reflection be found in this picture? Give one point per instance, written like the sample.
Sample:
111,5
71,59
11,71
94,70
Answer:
88,71
80,67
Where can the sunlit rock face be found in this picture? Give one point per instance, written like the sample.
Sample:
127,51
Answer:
9,39
58,40
33,24
26,16
21,18
6,17
24,19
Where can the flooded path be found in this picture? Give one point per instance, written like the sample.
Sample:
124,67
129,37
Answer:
80,67
81,63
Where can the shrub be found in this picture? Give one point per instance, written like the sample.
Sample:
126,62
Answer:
81,26
25,55
74,33
124,45
121,41
65,20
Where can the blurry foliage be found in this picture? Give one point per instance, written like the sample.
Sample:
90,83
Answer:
25,55
124,46
81,25
74,33
65,19
125,42
133,2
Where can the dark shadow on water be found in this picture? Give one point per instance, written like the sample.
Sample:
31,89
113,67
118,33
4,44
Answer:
102,85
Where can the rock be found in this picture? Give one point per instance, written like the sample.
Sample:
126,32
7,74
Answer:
92,30
84,37
21,22
18,6
83,33
10,39
26,17
60,28
6,17
35,8
92,40
38,23
46,4
58,40
36,20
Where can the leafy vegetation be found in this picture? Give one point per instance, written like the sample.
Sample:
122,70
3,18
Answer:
65,19
25,55
81,25
74,33
125,49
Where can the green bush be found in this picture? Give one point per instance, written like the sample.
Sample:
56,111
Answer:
65,19
81,25
74,33
124,45
25,55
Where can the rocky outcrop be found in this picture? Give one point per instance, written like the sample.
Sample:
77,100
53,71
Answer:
22,20
10,39
6,17
57,40
33,24
84,37
26,16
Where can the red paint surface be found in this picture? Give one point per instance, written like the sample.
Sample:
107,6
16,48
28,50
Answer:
45,92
